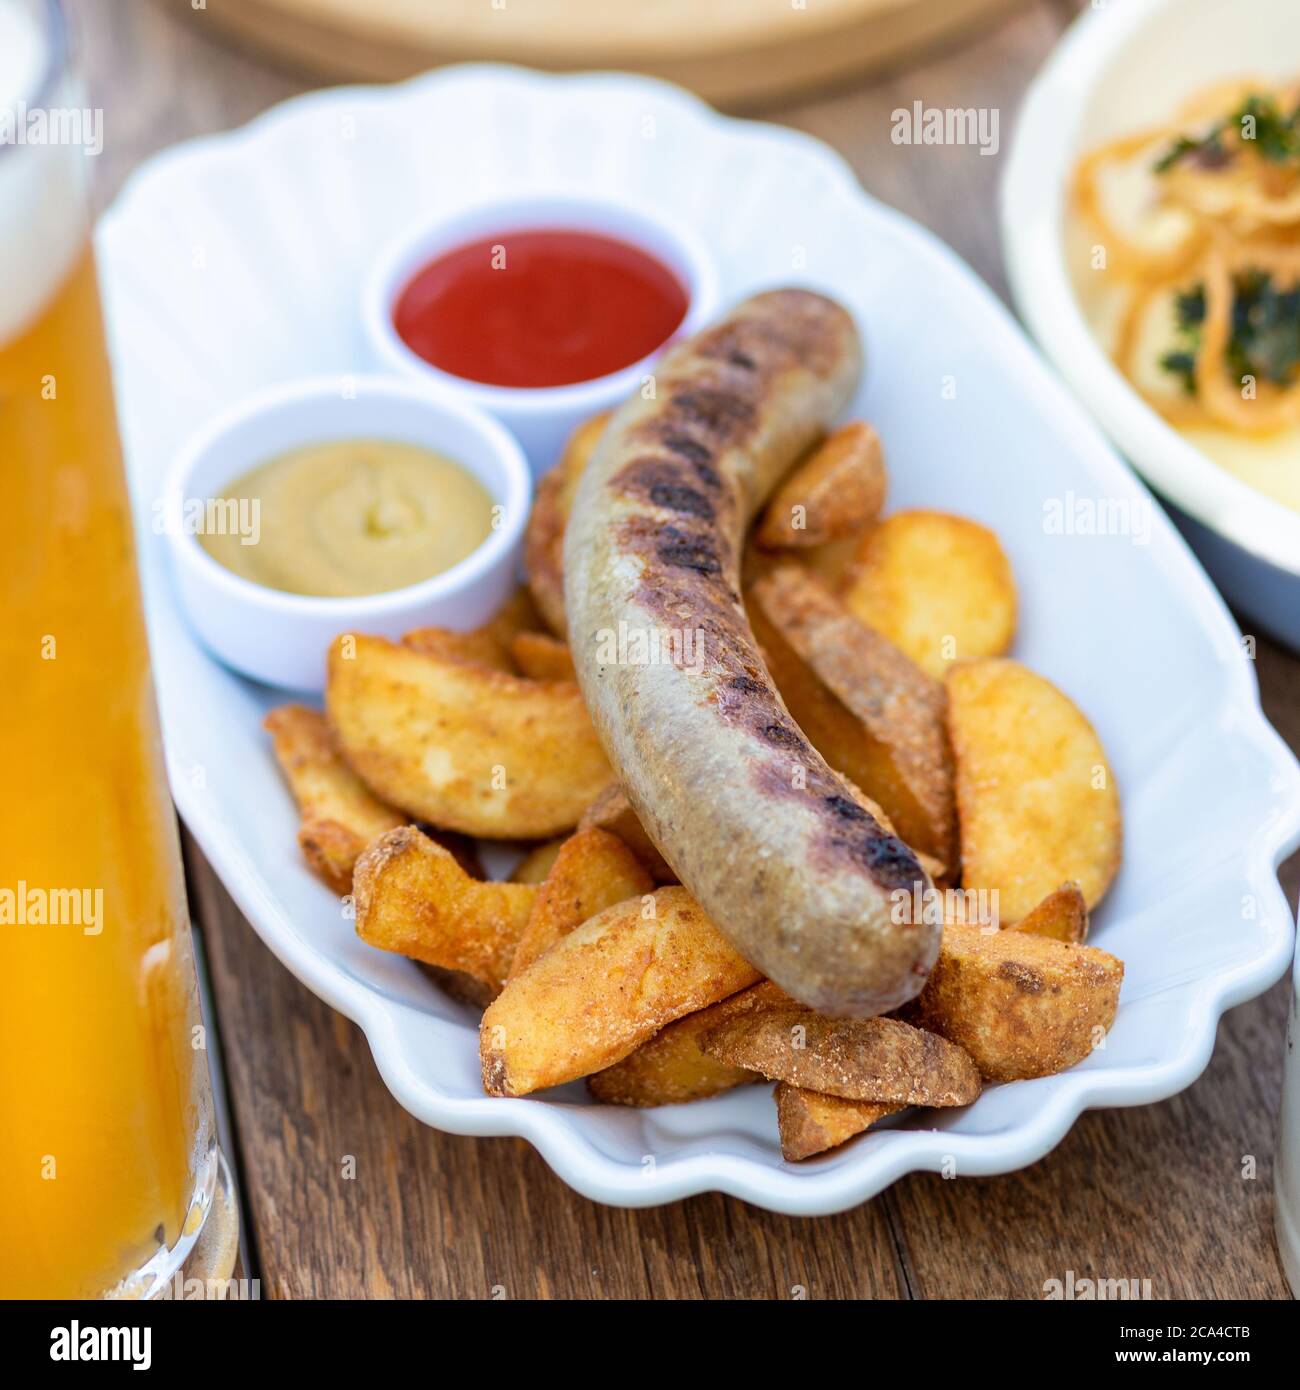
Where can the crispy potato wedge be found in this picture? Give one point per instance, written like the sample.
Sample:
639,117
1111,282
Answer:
593,871
831,563
871,713
541,657
810,1123
413,898
489,645
479,647
876,1059
1021,1005
612,811
544,538
833,493
1062,915
338,815
671,1069
461,746
938,586
462,848
604,989
536,864
1037,804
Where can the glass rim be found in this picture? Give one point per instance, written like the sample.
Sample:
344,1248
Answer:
56,59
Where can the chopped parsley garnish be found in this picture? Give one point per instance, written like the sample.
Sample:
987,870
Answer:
1259,123
1265,339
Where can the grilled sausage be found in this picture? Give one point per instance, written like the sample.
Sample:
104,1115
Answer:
779,851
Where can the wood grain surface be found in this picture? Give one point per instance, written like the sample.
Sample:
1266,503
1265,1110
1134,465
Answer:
348,1196
736,53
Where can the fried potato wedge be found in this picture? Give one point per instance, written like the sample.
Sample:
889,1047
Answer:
541,657
938,586
593,871
831,563
671,1069
489,645
868,709
876,1059
461,746
612,811
1062,915
604,989
544,538
810,1123
338,815
479,647
1020,1005
833,493
413,898
462,848
536,864
1037,804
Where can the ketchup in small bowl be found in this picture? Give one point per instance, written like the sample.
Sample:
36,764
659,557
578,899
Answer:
539,307
543,309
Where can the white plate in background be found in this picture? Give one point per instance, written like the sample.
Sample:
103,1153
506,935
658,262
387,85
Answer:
233,262
1121,68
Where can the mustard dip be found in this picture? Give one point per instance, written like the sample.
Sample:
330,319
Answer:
355,516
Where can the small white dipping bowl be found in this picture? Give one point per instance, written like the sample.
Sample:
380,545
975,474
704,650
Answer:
541,418
282,638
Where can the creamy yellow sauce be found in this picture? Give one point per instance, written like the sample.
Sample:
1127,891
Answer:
351,517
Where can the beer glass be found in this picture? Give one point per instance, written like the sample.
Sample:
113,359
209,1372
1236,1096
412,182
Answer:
109,1166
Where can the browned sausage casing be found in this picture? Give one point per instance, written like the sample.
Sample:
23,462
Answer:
784,859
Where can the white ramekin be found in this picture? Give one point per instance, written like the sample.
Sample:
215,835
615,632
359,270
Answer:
1119,68
541,418
281,638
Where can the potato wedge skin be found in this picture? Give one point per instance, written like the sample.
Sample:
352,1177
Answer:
412,897
875,1059
489,645
338,815
544,537
871,713
1021,1005
671,1069
541,657
1037,802
436,737
612,811
810,1123
1062,915
536,864
593,871
477,648
604,989
836,490
938,586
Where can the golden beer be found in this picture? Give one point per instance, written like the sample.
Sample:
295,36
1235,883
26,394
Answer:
105,1113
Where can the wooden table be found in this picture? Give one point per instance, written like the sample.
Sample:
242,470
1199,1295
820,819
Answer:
1179,1193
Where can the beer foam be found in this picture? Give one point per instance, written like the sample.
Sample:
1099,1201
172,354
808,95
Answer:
42,199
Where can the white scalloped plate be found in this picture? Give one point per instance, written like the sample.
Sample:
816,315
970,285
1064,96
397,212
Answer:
233,262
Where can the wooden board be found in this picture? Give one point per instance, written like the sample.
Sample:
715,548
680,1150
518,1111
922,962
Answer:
734,53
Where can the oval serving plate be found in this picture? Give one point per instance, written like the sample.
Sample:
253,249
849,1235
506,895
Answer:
234,262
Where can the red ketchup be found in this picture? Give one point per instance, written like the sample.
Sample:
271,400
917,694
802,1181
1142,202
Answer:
539,308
